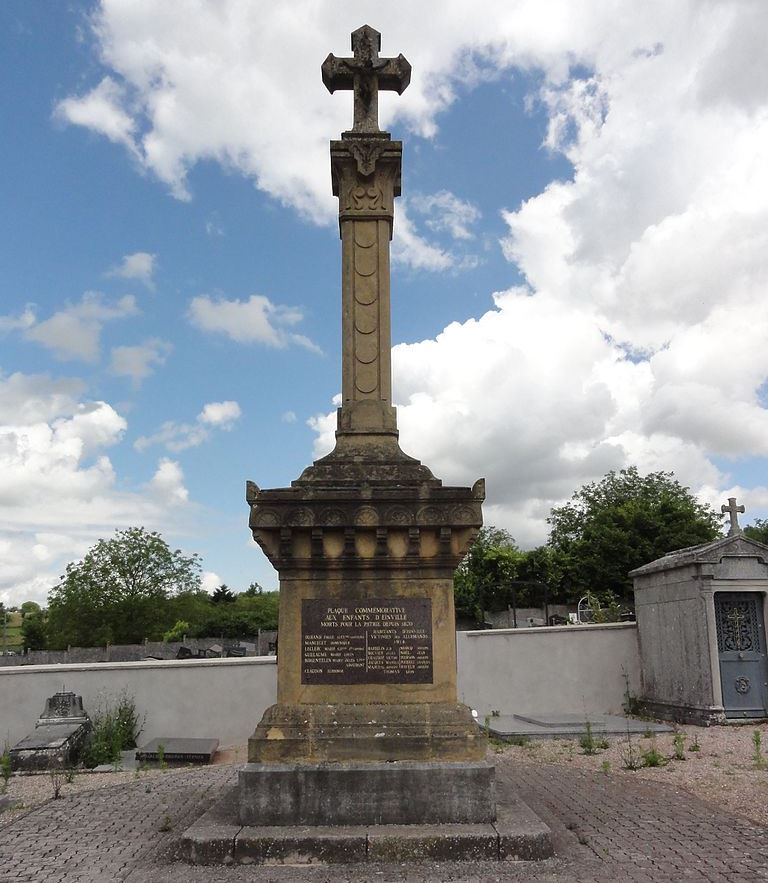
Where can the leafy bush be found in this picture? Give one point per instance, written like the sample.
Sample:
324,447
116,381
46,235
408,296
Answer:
116,727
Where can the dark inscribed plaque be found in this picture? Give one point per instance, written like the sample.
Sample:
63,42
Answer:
377,641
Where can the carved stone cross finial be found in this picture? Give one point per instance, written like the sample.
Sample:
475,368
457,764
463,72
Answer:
365,74
732,510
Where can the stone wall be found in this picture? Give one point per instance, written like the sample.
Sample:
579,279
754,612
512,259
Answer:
258,646
574,669
540,670
200,698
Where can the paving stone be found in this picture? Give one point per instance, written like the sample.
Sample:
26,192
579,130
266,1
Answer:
606,829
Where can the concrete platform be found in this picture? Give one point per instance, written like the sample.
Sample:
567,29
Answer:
509,727
217,838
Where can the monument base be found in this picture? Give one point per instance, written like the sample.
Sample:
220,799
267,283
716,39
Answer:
424,731
399,793
218,838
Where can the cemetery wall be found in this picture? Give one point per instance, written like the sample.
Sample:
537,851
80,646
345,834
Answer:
259,646
573,669
564,669
199,698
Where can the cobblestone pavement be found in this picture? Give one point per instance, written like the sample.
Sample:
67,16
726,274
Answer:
607,829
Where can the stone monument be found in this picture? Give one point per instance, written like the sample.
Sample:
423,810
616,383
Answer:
701,620
59,735
367,753
366,542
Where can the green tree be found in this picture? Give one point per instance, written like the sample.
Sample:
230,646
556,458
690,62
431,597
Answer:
119,592
29,607
619,523
758,530
222,595
483,579
34,630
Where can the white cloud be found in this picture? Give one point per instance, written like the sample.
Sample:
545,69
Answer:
288,416
75,331
139,265
444,211
220,414
24,320
59,491
181,436
210,581
139,362
641,334
101,110
256,320
168,482
36,398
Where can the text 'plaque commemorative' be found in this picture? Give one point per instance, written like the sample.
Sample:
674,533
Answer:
376,641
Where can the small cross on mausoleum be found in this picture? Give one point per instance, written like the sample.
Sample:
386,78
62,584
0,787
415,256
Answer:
732,510
365,74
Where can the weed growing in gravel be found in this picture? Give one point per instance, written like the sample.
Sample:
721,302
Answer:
605,766
166,824
652,757
588,743
57,776
679,743
5,767
694,746
629,755
757,754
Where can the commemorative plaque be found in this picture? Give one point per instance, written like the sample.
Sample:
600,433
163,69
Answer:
376,641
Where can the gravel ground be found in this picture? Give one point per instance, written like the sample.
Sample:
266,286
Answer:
723,772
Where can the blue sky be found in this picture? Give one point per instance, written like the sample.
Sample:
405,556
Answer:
578,269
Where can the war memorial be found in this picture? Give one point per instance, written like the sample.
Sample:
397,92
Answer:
367,752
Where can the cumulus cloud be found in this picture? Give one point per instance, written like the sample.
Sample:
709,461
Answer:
25,319
139,265
75,331
640,334
180,436
102,110
221,414
256,320
59,491
139,362
446,212
168,482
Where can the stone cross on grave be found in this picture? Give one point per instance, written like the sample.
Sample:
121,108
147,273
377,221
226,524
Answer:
365,74
732,510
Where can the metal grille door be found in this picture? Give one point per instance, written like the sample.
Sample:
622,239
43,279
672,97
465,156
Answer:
741,647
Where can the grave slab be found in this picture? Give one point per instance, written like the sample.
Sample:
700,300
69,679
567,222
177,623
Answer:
178,750
564,726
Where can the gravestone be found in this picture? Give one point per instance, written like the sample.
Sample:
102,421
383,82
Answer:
59,734
701,626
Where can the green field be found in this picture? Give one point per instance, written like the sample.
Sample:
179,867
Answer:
13,633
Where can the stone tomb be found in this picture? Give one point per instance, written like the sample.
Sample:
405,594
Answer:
58,737
701,620
367,730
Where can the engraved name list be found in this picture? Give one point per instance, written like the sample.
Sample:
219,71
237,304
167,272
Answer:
376,641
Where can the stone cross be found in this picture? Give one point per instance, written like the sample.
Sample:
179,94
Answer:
365,74
732,510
